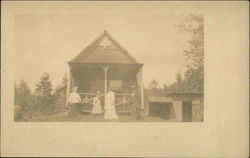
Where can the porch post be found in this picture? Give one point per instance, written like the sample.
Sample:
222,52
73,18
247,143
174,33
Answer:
142,91
105,68
68,87
140,84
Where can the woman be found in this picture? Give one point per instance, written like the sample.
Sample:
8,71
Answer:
110,112
97,109
74,101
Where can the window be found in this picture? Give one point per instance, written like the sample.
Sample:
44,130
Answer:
115,84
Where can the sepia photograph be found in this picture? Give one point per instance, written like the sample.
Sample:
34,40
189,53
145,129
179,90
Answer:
75,68
124,79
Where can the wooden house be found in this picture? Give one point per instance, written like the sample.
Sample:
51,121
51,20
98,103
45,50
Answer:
105,63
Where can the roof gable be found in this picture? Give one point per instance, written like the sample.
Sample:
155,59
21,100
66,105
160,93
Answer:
104,49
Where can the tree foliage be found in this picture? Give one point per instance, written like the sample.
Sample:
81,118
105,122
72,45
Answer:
194,24
22,96
154,84
43,93
44,86
193,80
60,96
64,80
24,101
63,83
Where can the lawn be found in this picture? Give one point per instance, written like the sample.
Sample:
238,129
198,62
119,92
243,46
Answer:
63,117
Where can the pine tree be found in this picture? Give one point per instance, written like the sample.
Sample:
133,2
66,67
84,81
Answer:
43,92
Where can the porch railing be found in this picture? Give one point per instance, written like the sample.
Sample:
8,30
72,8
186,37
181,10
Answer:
87,101
121,102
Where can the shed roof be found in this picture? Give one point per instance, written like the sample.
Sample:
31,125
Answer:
160,99
106,50
185,96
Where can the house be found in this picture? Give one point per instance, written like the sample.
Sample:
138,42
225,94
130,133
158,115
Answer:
105,63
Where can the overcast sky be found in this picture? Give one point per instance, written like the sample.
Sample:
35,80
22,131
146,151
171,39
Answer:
45,42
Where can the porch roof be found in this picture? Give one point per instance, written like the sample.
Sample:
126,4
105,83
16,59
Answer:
104,50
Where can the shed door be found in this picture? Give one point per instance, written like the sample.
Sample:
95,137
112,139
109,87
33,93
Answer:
187,111
161,110
165,111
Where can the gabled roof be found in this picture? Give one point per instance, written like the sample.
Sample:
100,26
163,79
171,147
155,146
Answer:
104,49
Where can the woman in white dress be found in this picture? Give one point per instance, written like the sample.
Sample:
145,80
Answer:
97,108
110,112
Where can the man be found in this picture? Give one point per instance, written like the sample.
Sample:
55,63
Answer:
133,102
74,102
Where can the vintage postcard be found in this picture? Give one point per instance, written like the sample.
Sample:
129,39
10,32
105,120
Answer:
154,68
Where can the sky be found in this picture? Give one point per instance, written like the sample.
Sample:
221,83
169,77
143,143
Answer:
46,42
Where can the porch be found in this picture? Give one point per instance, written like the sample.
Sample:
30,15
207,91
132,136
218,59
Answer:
90,78
101,65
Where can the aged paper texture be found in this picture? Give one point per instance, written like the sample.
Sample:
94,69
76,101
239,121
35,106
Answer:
208,117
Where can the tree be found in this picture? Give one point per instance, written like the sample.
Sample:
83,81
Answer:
179,79
24,103
43,92
194,25
64,80
22,95
193,80
63,83
194,76
60,96
154,84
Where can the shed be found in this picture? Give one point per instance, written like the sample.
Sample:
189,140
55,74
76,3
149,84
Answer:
161,107
188,106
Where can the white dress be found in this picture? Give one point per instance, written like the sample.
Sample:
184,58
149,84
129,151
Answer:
110,112
97,109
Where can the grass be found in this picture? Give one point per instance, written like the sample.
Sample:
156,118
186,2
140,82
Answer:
63,117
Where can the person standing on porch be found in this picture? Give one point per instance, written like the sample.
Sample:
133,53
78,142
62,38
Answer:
97,108
74,102
110,111
133,102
